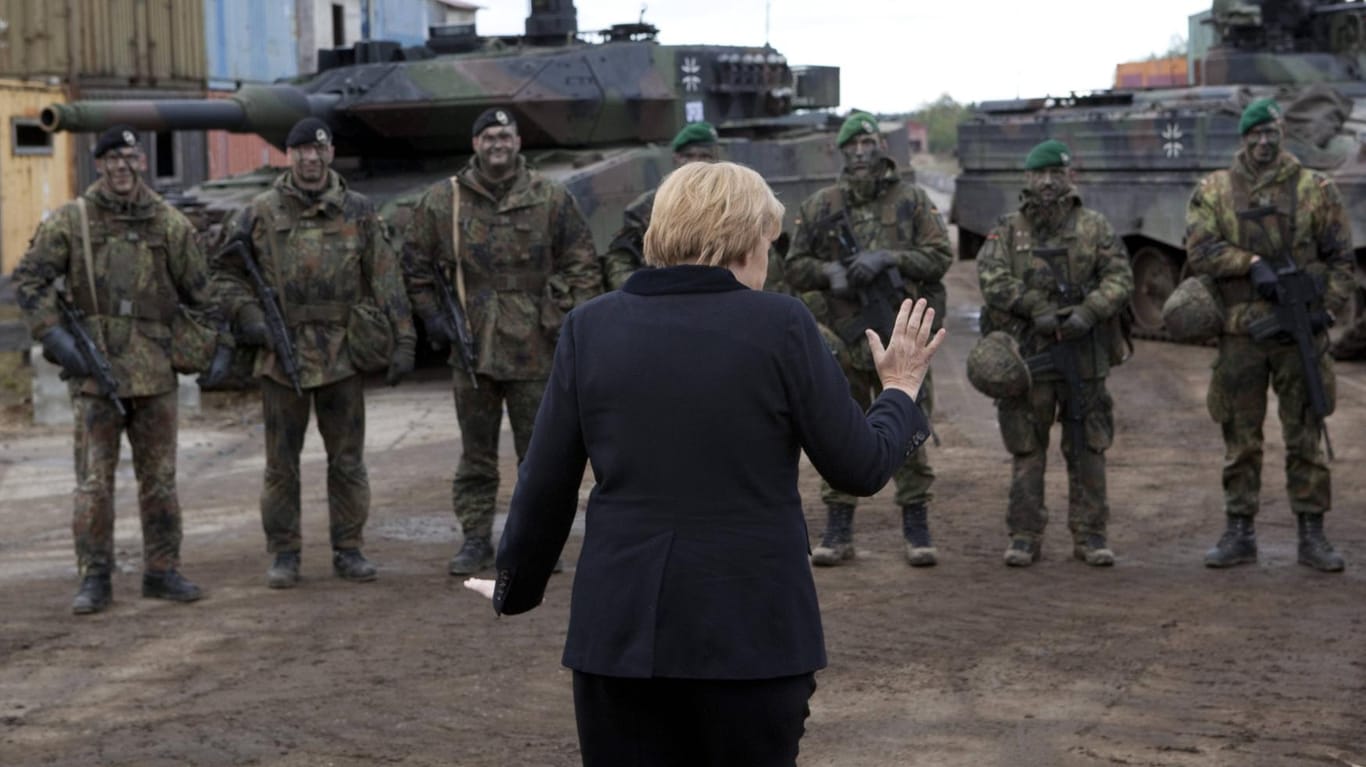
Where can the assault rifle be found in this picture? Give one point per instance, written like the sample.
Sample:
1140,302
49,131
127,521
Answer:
880,299
277,331
1063,357
1297,313
455,313
95,361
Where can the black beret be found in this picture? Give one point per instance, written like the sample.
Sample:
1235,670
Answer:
117,137
309,130
491,117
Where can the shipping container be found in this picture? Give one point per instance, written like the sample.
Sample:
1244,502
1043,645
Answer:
35,175
250,41
111,42
1155,73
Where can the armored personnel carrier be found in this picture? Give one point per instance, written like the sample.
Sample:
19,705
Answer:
1139,154
597,115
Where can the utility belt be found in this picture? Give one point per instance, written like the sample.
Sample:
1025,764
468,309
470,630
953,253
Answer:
329,313
154,312
529,282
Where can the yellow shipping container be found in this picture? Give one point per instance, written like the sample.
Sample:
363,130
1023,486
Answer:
35,166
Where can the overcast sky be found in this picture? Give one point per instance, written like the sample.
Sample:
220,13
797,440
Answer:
895,55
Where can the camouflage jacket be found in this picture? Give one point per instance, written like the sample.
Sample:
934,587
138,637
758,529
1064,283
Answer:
626,252
322,255
900,219
527,258
1222,246
1017,284
146,262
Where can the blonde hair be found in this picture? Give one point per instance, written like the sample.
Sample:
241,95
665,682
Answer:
711,214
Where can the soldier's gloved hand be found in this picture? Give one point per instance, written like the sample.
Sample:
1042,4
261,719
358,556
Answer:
868,265
1046,322
251,326
838,277
1263,279
59,348
218,368
1079,322
401,361
440,329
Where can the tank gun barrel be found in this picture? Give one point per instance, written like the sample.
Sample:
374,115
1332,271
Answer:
269,111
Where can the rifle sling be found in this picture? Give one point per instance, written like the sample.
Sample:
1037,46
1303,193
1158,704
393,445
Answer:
90,269
455,242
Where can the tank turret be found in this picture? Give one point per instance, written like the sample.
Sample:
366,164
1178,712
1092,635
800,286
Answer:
596,111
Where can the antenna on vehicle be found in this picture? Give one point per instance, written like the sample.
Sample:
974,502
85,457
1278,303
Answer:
768,6
643,9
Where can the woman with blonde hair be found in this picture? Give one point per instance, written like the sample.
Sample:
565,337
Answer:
694,631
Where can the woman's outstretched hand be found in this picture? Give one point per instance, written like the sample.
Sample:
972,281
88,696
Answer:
902,364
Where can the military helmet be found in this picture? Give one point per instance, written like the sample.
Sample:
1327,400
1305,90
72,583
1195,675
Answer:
1192,313
995,367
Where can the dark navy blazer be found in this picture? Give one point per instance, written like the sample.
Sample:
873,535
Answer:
692,397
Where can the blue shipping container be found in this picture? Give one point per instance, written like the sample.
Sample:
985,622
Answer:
250,41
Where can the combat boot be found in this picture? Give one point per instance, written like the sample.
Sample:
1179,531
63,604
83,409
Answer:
284,572
474,555
1315,550
351,565
1237,546
169,584
837,544
94,595
1023,552
915,528
1092,550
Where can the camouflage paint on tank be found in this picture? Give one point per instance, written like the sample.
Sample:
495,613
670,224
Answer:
1139,154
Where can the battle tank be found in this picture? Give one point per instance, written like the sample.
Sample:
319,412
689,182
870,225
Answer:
596,115
1139,154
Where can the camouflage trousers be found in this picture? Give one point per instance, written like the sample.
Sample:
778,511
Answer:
474,491
1237,402
341,422
151,426
915,476
1025,423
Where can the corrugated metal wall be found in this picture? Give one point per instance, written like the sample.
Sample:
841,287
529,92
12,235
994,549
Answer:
32,185
138,42
250,40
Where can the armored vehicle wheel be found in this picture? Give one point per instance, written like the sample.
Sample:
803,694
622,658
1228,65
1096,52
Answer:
1156,272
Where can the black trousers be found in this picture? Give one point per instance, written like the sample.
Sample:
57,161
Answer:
691,722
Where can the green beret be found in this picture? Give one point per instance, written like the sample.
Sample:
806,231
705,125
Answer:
1050,154
854,124
1258,112
695,133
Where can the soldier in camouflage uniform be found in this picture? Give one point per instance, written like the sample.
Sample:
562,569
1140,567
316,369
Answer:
896,229
137,263
1022,285
325,252
525,257
1243,258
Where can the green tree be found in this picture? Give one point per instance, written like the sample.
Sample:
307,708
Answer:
941,118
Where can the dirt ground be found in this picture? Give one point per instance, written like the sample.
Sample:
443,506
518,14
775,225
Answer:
1157,661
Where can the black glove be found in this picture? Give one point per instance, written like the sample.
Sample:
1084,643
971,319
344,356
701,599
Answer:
251,326
838,277
59,348
1263,279
401,361
1046,322
868,265
1078,324
218,368
440,329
